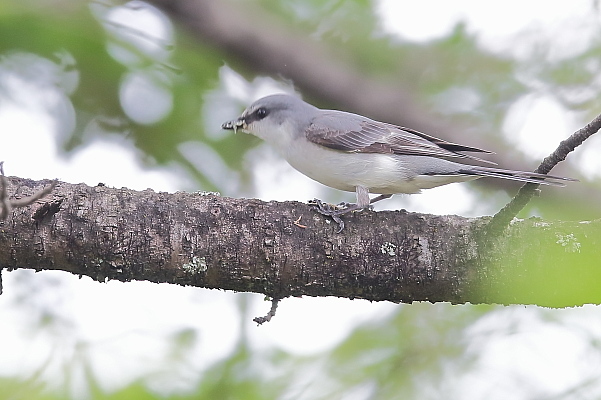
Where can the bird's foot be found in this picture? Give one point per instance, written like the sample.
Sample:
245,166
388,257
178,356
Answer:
330,210
352,206
333,211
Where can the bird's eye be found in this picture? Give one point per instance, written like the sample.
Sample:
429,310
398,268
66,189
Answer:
261,113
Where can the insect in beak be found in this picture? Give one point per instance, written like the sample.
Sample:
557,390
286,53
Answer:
234,125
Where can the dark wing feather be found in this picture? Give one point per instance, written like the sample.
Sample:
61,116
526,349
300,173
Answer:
350,132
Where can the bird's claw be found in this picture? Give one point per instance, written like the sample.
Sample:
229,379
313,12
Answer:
324,207
330,210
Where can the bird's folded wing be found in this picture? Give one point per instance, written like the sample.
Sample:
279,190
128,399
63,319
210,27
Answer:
353,133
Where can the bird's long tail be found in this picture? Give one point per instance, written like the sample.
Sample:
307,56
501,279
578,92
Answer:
521,176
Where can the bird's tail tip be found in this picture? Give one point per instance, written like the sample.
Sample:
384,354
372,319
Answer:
521,176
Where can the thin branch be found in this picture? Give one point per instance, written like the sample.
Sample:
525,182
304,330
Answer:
502,219
274,305
6,205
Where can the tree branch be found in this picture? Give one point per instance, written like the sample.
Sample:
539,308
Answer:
270,314
254,246
7,205
501,219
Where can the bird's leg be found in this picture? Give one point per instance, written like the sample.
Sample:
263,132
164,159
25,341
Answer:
380,197
372,201
335,212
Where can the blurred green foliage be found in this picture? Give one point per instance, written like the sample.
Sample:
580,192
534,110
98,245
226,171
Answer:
548,266
85,32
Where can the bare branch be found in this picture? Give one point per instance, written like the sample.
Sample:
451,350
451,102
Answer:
8,205
524,195
270,314
26,201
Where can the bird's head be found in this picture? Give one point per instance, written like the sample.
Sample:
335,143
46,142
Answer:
271,117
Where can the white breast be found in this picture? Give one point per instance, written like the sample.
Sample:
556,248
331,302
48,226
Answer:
380,173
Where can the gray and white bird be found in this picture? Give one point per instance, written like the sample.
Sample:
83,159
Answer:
357,154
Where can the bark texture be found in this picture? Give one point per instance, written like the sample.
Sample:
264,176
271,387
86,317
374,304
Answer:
249,245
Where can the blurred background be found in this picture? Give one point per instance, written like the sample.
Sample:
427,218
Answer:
134,94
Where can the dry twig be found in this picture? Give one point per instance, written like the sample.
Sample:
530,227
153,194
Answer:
274,305
7,205
501,219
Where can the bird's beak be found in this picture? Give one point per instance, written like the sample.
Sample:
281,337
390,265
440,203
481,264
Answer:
234,124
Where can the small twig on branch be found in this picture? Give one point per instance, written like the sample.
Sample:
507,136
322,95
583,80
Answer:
274,305
6,205
501,219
